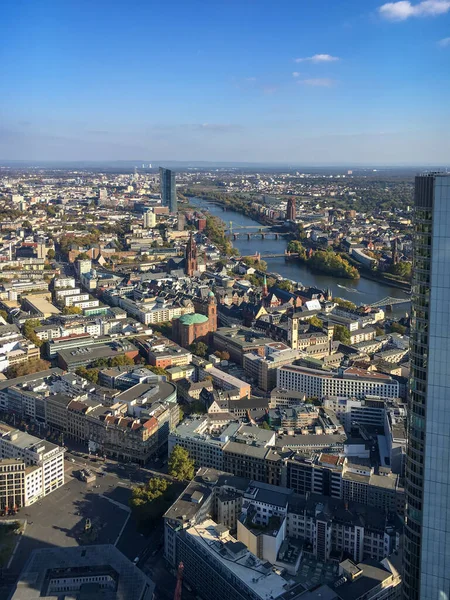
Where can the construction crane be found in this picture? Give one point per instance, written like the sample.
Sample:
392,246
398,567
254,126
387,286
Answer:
177,595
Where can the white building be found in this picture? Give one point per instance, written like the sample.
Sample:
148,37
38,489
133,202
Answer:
347,383
44,461
149,219
153,312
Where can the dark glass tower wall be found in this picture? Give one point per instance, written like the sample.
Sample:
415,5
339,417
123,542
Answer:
168,189
427,528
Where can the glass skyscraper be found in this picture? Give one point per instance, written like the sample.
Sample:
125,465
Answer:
168,189
427,529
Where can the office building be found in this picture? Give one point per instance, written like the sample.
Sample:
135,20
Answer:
349,382
82,572
427,529
168,189
44,461
12,484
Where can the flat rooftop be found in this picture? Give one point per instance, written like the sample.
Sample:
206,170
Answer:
234,556
147,392
51,564
42,305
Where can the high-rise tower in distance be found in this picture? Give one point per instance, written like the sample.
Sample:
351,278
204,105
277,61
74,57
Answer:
427,530
168,189
291,212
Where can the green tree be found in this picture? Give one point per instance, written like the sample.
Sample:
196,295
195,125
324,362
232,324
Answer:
199,348
142,494
157,370
341,334
28,331
181,466
27,368
397,328
379,331
265,425
316,322
402,269
51,254
261,265
284,285
27,225
345,303
297,247
327,261
4,314
100,363
72,310
83,256
121,361
89,374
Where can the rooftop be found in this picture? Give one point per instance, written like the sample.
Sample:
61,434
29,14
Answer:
234,556
50,564
193,319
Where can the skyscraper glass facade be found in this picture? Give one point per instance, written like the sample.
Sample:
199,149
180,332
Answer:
427,528
168,189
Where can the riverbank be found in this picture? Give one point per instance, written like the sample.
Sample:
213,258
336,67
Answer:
361,291
255,216
379,278
238,207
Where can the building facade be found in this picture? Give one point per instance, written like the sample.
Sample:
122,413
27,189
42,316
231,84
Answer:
168,189
190,257
427,530
351,382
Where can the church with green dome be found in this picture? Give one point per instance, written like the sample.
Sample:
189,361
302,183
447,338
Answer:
197,326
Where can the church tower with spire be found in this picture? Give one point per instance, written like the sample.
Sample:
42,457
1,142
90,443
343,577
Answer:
190,256
265,291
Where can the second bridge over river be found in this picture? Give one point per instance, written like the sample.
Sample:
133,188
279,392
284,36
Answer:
254,231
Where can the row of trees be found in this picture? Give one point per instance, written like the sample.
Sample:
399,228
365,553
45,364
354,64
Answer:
149,502
215,231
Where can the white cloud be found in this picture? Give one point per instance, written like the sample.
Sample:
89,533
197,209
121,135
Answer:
318,82
295,74
444,43
318,58
400,11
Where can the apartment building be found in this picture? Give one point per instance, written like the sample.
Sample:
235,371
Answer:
346,383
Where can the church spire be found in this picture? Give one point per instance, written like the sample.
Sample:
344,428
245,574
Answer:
265,291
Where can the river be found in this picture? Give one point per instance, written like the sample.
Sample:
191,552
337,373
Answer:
360,291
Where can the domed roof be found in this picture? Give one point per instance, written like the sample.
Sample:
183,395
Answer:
211,294
193,319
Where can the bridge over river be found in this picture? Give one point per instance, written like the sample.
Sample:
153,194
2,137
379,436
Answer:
236,231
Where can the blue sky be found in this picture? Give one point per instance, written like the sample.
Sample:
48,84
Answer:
299,82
